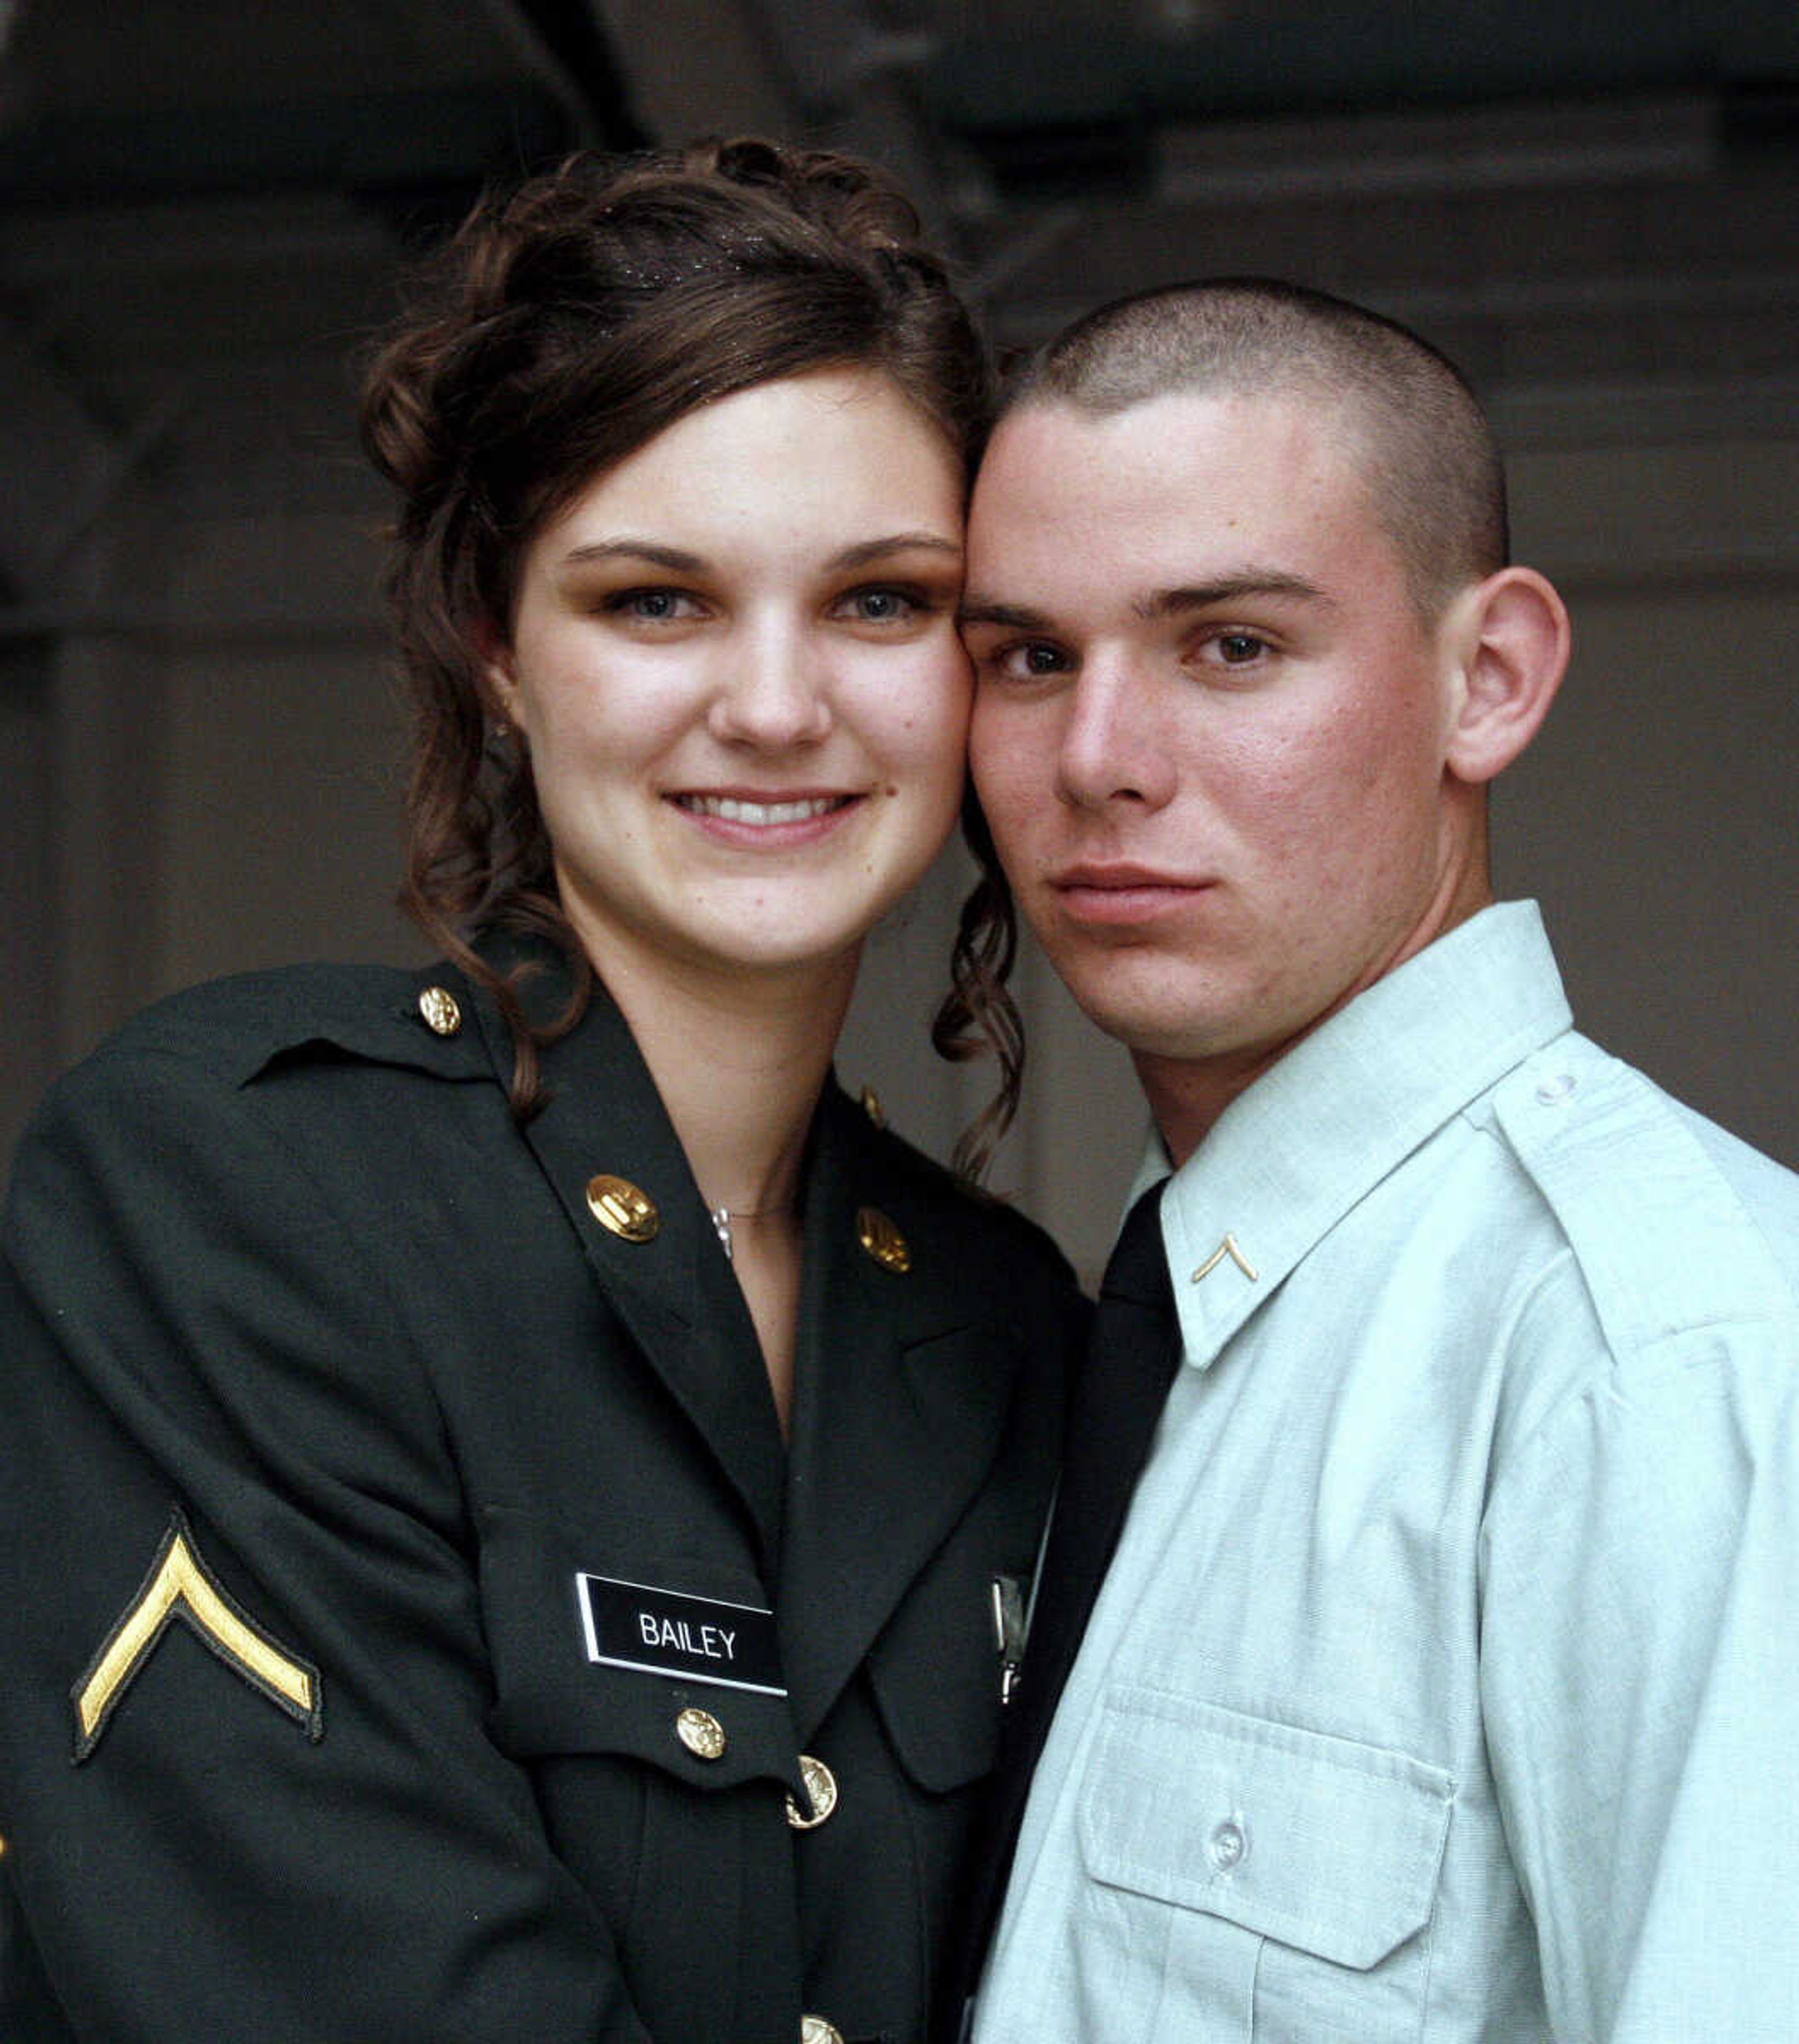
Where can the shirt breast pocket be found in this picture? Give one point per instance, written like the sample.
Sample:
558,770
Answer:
1283,1881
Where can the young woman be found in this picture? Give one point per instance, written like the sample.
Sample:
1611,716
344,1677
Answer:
508,1473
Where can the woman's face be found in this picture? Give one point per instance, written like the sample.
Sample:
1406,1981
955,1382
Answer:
735,661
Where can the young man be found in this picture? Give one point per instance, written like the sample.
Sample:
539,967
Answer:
1443,1683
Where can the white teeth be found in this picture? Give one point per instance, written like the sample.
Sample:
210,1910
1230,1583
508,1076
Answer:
735,812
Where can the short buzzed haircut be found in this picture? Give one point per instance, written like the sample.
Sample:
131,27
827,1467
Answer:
1427,455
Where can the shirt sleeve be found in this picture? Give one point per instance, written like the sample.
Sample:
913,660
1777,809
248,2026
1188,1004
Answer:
1640,1683
245,1777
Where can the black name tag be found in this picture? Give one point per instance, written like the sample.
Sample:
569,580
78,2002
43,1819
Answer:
667,1632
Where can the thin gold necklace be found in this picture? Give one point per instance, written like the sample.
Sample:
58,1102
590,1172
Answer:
722,1216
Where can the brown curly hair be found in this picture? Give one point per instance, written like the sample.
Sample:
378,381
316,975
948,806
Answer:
564,326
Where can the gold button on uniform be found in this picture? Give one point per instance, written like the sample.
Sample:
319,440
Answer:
872,1108
883,1241
624,1209
820,1787
443,1016
815,2030
701,1733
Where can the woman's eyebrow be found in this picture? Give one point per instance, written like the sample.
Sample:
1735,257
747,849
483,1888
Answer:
893,543
681,562
675,559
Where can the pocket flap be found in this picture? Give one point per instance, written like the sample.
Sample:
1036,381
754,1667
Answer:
564,1685
1324,1843
936,1675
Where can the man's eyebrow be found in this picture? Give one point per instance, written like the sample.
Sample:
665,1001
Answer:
978,609
1252,582
1156,604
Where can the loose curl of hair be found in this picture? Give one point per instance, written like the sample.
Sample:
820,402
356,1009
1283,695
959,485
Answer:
562,328
979,1013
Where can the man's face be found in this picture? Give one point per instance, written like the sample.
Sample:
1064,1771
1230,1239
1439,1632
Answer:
1209,724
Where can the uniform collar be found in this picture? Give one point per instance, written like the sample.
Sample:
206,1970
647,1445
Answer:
903,1376
603,1118
1292,1153
903,1381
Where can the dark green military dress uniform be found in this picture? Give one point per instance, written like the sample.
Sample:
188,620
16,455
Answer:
412,1625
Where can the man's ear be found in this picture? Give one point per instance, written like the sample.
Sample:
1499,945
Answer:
1508,636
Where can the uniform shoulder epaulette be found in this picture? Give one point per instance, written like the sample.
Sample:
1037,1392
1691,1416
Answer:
1663,1241
242,1024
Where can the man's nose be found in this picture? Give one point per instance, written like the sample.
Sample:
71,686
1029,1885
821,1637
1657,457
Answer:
1113,746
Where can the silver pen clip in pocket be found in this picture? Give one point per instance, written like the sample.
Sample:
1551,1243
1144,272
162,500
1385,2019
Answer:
1007,1597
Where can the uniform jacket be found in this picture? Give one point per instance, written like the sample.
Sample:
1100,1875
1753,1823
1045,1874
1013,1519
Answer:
370,1515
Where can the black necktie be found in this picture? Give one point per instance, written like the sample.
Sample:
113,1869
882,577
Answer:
1131,1358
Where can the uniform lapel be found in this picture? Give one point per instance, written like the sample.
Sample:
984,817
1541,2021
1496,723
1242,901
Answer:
674,1293
902,1383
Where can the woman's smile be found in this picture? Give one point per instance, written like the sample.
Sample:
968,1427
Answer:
767,821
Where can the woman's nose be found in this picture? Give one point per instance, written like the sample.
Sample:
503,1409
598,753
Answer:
773,690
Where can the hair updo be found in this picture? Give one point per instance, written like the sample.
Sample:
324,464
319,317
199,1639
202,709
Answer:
563,327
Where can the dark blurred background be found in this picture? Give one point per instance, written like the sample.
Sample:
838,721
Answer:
204,205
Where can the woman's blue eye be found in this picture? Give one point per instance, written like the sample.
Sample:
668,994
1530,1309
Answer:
650,606
881,606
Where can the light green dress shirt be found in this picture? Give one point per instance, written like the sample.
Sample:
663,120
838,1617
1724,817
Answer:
1445,1684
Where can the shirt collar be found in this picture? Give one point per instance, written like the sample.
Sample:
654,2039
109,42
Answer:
1294,1152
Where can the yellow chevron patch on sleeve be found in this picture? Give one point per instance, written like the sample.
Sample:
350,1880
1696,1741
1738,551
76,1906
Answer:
180,1586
